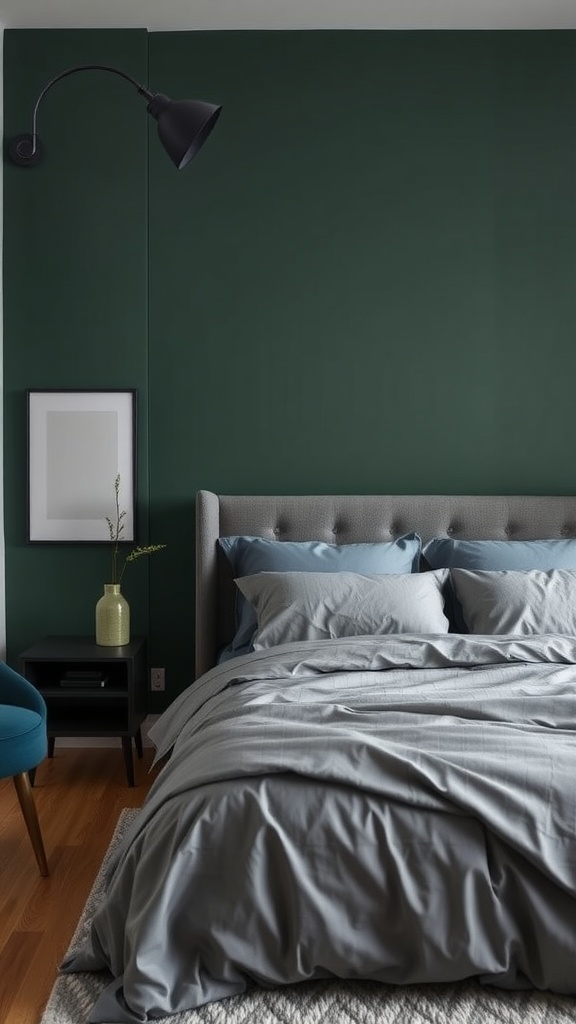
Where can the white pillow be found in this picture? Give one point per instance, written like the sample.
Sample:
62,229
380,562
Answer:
512,601
320,606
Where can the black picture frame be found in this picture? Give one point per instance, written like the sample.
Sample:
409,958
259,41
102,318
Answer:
79,442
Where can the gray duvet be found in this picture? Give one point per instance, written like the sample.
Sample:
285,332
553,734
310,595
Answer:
397,808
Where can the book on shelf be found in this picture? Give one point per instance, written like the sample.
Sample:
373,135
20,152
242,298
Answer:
76,679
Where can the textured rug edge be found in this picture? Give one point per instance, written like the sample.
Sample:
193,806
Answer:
326,1001
64,982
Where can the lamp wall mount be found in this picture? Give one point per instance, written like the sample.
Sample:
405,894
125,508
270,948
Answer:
183,125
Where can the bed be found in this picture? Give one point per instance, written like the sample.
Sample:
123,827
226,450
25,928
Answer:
381,785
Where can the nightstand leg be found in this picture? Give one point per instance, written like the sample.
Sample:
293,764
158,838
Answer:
127,748
51,744
138,741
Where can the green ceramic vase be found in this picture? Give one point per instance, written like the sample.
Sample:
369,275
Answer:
112,618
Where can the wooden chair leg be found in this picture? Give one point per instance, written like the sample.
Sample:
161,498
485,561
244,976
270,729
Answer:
24,791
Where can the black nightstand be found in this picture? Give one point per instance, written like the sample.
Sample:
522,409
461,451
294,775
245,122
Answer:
91,690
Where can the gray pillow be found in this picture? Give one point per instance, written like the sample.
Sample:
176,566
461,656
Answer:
517,602
320,606
493,555
249,555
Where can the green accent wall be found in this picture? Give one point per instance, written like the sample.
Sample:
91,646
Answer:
364,283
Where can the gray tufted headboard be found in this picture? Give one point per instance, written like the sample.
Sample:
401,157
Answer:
346,519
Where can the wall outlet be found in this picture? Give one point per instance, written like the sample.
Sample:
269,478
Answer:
157,679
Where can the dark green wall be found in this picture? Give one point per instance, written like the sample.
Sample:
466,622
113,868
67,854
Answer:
75,292
364,283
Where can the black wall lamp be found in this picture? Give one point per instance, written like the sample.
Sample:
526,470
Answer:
183,125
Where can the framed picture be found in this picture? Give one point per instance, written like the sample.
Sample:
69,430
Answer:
79,442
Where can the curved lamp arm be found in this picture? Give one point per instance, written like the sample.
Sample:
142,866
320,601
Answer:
183,125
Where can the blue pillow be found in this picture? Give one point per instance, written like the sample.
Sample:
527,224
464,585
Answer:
250,555
492,555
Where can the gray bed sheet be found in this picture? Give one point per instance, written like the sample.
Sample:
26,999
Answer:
396,808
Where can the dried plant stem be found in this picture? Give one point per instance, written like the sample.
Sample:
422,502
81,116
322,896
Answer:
116,528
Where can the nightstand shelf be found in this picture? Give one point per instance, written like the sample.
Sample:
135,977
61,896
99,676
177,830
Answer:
117,708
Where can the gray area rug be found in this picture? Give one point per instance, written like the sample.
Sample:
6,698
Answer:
320,1002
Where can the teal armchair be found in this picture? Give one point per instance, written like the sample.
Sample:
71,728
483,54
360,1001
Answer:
23,744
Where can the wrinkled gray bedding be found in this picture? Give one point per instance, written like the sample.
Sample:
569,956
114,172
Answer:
395,808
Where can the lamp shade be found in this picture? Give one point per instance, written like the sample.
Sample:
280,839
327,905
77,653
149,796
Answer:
183,125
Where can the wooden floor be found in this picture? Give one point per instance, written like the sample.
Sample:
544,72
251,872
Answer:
79,795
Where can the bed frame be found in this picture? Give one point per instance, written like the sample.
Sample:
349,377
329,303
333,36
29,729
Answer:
347,519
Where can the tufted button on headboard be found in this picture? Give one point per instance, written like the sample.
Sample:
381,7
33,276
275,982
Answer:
348,519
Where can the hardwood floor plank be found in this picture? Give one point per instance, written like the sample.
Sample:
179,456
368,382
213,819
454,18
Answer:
79,794
20,951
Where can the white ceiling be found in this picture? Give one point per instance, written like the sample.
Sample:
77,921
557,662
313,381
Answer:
162,15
